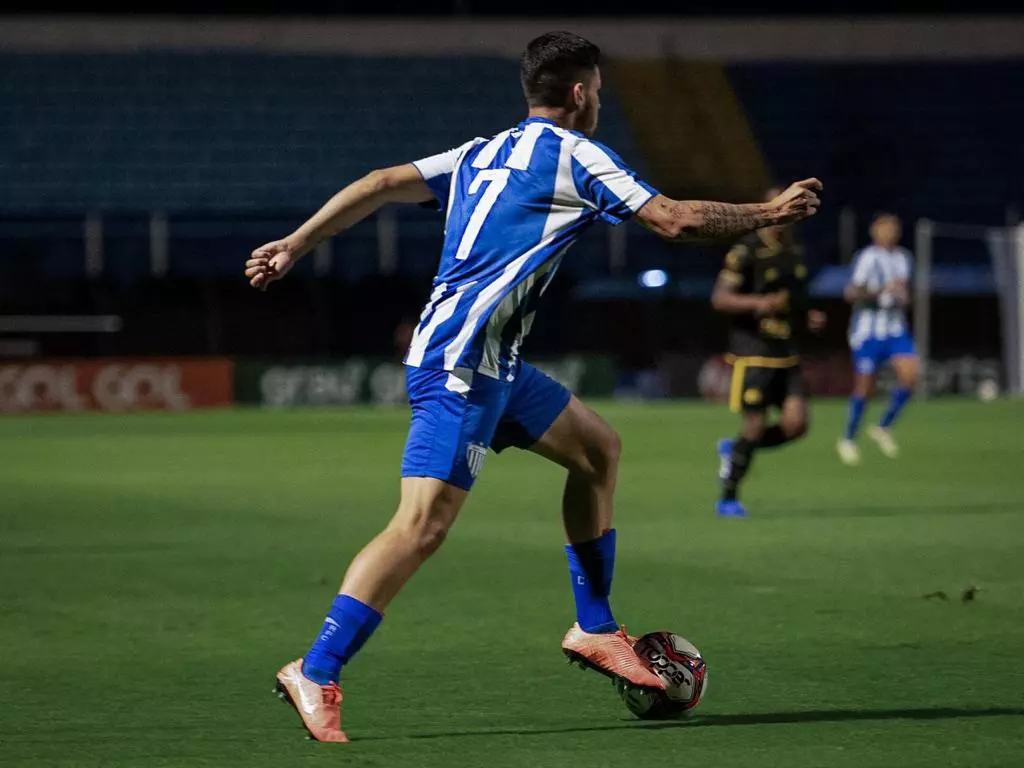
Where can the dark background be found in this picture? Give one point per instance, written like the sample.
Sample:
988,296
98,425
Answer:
938,139
487,8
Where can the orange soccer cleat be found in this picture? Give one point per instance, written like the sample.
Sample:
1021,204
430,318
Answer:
629,638
319,706
610,654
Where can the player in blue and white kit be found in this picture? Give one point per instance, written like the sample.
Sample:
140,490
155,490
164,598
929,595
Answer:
512,205
880,293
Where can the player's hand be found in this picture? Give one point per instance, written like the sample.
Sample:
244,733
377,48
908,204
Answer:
268,263
816,320
798,201
897,289
772,303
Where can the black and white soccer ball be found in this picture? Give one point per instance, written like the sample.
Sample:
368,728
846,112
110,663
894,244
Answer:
676,661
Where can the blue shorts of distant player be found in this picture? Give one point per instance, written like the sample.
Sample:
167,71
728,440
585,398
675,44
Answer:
872,353
455,422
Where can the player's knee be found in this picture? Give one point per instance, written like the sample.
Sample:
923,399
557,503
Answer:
424,526
795,427
604,453
423,530
430,537
907,377
612,448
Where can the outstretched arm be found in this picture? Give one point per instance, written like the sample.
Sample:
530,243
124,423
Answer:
691,221
360,199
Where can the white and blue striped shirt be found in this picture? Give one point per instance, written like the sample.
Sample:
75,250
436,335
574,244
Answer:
513,205
875,268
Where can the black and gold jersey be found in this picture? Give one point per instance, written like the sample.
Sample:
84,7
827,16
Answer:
759,264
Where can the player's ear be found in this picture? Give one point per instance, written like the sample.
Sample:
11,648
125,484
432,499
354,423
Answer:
579,96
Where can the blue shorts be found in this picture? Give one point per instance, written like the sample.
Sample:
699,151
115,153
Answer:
453,424
875,352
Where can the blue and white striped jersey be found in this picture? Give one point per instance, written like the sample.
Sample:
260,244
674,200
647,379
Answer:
513,205
874,268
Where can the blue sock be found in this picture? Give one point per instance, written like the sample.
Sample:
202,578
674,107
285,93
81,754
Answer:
856,413
900,397
591,566
347,627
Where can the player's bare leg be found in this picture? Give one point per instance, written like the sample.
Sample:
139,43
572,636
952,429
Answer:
756,435
737,461
427,510
863,385
906,368
583,443
425,515
794,422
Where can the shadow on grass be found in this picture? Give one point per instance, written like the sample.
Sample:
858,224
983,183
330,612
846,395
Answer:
704,721
776,512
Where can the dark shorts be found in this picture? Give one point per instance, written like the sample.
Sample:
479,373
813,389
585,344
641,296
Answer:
454,423
759,387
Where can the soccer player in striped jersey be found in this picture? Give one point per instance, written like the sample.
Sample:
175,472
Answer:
880,293
512,204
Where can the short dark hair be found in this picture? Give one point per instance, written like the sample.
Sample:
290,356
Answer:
552,64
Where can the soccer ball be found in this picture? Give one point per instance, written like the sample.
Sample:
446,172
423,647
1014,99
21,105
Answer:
676,661
988,390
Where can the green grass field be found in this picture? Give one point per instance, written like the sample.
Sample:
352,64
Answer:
156,570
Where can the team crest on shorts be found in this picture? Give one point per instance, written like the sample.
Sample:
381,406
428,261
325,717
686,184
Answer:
752,396
475,455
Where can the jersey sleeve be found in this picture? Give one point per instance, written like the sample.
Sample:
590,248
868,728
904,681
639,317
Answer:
606,184
437,170
736,267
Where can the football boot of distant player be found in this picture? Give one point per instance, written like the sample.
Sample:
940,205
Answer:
848,452
730,508
319,706
724,457
884,440
611,654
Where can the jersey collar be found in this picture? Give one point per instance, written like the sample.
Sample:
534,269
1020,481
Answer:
547,121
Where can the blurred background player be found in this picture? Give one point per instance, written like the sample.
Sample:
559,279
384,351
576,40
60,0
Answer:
880,293
763,289
513,204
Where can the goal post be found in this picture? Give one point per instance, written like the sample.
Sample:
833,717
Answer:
1008,269
1005,248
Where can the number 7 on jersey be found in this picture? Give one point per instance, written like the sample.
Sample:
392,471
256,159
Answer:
496,179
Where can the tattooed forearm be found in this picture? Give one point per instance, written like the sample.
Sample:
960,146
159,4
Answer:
720,221
701,220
